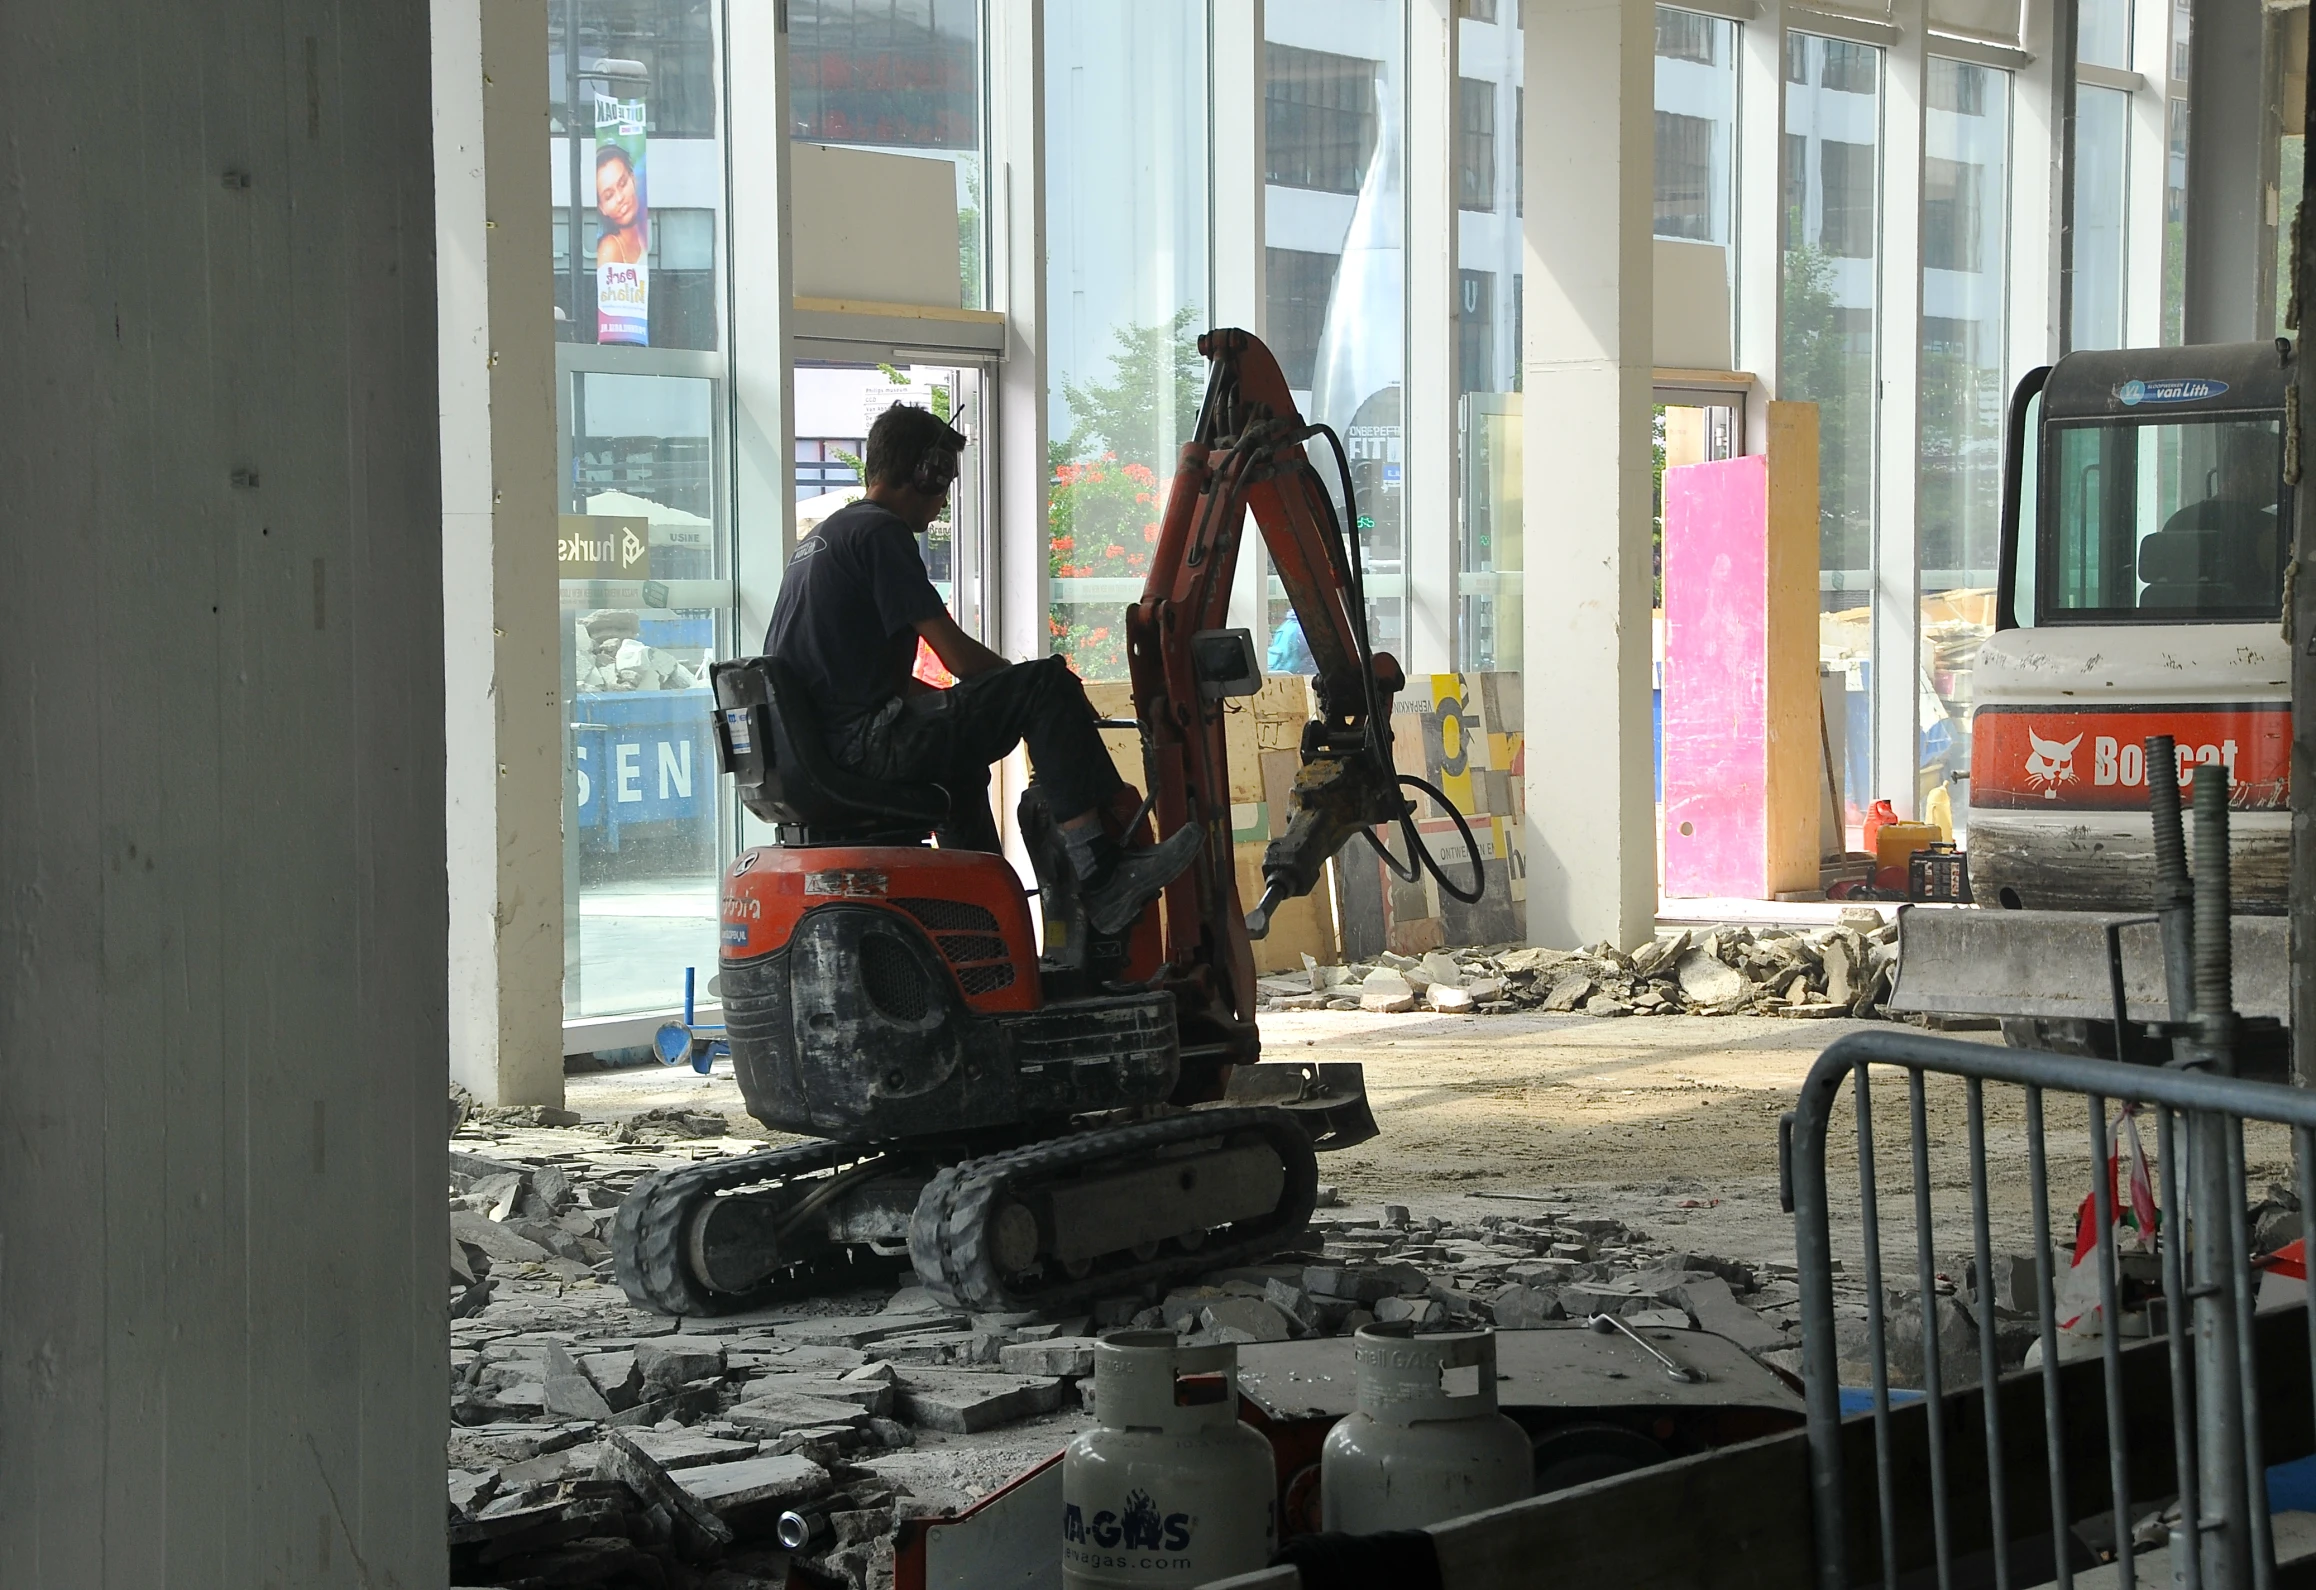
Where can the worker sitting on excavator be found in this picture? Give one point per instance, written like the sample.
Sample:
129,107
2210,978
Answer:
852,606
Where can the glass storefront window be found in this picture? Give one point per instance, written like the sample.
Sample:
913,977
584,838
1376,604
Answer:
1830,320
2102,162
633,133
1696,109
1334,103
645,612
904,77
635,147
2103,33
1958,504
1489,437
1126,298
836,403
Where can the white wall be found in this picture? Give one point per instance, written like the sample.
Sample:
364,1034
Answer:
222,1336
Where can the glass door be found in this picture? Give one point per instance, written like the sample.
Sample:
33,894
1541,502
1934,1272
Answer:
644,566
840,390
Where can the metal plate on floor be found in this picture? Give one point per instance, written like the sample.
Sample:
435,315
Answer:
1551,1366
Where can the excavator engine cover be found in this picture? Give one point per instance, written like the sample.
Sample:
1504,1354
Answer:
879,993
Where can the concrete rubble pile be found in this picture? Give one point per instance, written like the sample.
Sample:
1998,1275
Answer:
1844,970
596,1443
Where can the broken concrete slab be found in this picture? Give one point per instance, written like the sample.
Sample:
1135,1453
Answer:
875,1396
670,1361
1707,979
1715,1308
726,1487
779,1412
961,1402
499,1244
656,1486
1258,1319
687,1449
574,1396
1522,1307
1070,1356
1386,992
840,1330
1567,992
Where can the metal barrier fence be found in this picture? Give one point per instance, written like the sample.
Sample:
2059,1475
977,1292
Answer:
2217,1450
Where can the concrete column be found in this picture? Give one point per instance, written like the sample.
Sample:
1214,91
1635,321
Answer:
1591,840
1428,494
2147,173
2229,171
1016,580
222,899
503,702
1236,189
760,372
1018,593
2037,101
1897,599
1755,258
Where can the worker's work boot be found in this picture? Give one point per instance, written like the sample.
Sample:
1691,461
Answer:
1116,883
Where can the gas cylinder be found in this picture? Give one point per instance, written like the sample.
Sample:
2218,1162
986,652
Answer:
1169,1489
1426,1443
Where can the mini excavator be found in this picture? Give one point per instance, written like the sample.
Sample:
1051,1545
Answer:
1038,1131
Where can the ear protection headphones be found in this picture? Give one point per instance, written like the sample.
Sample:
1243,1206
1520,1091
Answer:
936,471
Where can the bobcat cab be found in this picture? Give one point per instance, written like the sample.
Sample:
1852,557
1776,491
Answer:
2145,532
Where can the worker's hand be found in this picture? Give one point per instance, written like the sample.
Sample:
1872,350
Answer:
959,652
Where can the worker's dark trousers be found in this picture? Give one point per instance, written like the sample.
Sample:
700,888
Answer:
949,737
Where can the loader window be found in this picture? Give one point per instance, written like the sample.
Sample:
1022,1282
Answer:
2160,522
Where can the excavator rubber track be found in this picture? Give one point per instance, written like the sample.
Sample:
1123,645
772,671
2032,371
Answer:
973,1221
654,1234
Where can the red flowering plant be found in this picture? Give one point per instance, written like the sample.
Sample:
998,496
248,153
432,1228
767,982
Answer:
1106,498
1103,518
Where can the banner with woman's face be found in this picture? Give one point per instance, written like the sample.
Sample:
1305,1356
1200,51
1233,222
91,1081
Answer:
623,234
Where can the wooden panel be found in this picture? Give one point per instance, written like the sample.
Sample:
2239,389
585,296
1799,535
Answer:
1793,774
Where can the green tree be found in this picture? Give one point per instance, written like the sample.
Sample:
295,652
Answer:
1148,405
1821,361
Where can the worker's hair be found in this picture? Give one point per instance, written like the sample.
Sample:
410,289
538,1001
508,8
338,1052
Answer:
909,446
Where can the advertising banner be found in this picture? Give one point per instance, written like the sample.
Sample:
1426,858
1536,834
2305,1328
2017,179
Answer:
2038,759
623,233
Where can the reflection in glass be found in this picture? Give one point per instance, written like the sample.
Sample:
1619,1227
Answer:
1126,257
902,76
1826,352
1488,418
642,142
2102,124
1958,506
2156,519
1333,98
642,605
2103,33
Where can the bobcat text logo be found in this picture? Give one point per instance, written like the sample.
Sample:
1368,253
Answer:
2051,764
1140,1526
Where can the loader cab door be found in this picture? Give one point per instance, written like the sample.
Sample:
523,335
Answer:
2022,447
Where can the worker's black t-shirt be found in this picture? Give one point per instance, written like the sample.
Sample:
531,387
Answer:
848,612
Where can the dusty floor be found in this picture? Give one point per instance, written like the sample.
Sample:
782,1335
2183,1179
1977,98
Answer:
1668,1122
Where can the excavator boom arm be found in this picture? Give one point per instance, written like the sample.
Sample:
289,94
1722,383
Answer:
1248,455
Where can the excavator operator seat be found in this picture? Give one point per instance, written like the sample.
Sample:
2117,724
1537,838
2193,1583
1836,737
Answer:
769,738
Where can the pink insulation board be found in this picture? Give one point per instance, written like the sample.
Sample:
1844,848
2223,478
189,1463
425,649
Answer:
1716,678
